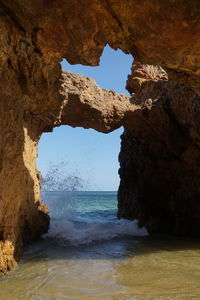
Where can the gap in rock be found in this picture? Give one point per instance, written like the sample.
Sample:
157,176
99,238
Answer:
80,167
88,154
112,72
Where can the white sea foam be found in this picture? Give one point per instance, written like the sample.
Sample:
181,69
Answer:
82,227
90,232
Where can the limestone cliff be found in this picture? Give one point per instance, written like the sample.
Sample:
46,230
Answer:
160,149
160,155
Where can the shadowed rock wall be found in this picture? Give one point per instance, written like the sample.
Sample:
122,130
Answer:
160,155
36,96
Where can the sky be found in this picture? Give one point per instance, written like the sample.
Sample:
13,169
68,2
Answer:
91,155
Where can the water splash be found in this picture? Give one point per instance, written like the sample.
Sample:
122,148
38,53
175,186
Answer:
86,217
56,179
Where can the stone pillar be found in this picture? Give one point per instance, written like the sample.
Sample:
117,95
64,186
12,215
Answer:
22,218
160,155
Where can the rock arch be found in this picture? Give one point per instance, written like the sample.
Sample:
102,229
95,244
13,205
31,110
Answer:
160,154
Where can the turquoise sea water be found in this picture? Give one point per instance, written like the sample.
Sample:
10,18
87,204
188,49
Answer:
85,217
88,254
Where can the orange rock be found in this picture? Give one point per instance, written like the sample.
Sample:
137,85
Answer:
36,96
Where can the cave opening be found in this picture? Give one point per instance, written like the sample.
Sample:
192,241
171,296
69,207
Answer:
80,166
75,145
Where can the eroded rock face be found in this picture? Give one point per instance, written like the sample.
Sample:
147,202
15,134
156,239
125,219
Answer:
87,105
160,149
160,155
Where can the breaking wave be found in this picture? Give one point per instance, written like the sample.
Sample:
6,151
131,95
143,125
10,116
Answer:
86,217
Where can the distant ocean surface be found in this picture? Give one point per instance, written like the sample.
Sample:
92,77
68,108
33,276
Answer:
88,254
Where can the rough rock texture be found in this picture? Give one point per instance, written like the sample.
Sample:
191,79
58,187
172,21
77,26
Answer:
160,155
156,32
87,105
78,102
34,97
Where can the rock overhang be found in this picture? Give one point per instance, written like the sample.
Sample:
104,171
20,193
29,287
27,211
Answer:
160,150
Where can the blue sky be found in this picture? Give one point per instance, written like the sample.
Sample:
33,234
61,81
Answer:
91,155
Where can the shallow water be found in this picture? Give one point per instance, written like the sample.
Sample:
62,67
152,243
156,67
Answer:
89,254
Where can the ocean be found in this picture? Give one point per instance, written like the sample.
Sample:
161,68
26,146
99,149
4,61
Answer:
85,217
89,254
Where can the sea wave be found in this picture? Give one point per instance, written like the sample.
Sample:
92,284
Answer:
79,225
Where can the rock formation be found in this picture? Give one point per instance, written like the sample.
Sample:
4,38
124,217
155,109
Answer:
87,105
160,147
160,154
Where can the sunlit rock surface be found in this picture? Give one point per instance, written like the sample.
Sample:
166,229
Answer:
86,104
160,149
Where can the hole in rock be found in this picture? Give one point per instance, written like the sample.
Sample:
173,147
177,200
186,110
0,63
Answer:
86,153
112,72
80,167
